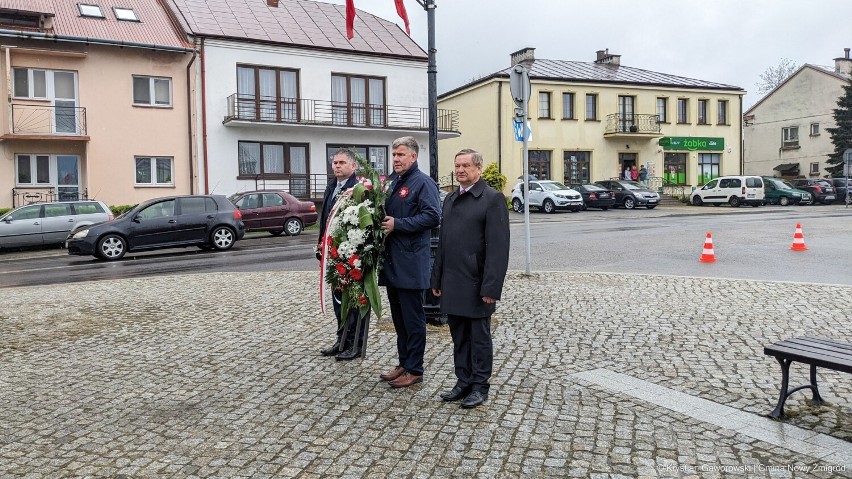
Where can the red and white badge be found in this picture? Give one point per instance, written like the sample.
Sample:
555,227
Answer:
403,192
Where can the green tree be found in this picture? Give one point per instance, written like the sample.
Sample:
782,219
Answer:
491,174
841,135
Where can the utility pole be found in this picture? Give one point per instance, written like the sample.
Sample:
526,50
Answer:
432,72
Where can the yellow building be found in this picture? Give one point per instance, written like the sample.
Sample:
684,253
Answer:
591,120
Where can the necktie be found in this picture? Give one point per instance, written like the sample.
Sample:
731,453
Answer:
337,190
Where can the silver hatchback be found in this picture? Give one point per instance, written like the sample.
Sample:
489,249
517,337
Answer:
49,223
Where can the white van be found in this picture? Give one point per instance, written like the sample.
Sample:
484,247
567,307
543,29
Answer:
734,190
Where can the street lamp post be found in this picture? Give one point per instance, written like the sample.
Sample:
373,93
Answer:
432,72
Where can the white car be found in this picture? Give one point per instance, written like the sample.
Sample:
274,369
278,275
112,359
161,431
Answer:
547,196
734,190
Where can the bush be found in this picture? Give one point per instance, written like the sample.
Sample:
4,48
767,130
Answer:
491,174
3,211
120,209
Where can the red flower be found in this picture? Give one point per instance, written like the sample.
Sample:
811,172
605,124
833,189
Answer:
334,252
353,259
329,240
356,274
403,192
362,300
341,269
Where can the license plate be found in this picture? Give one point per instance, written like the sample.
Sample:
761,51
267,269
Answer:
652,200
829,197
750,196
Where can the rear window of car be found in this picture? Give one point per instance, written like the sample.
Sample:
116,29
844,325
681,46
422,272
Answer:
88,208
57,209
271,199
754,183
824,183
729,183
196,205
593,187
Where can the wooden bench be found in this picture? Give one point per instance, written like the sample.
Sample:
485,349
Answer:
818,352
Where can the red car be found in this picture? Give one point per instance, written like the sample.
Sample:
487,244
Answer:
275,211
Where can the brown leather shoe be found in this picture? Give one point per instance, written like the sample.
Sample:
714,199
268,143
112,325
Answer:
392,374
407,379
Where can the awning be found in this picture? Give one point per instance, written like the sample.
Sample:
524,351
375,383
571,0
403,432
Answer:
787,167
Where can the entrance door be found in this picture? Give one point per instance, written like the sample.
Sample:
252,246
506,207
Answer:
625,113
63,92
67,177
627,161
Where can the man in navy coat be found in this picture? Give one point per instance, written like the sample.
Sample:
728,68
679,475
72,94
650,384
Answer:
470,267
411,211
343,165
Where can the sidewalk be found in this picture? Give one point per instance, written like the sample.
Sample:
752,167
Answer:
218,375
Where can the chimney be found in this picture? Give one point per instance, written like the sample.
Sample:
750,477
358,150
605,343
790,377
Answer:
604,57
272,3
526,56
844,63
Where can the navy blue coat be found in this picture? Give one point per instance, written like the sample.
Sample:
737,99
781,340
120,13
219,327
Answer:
328,201
415,206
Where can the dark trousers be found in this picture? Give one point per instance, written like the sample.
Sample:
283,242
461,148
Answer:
409,320
473,352
350,326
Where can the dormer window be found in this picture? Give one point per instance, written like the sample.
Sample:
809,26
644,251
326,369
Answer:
21,19
87,10
126,14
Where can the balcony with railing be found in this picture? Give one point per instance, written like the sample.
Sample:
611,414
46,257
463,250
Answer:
331,114
64,122
620,125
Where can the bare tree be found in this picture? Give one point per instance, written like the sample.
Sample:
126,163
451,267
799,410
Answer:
774,76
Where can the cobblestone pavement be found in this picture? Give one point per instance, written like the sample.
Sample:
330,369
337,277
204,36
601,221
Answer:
218,375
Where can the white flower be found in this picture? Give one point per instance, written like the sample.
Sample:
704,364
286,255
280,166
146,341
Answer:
347,249
356,236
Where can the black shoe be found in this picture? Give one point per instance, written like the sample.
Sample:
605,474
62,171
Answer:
474,399
349,354
455,394
334,349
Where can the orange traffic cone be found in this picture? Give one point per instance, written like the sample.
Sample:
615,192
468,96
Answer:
798,239
707,255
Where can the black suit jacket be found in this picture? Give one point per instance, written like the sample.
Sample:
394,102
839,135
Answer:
328,201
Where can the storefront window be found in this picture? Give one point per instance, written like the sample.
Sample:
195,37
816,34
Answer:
708,167
576,166
539,161
674,169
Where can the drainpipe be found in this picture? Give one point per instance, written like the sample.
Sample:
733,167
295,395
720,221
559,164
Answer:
8,58
204,119
742,146
192,188
500,126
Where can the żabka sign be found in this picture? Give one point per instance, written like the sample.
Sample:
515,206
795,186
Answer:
692,143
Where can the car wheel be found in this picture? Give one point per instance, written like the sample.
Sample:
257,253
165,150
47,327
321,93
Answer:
222,238
111,247
784,201
697,201
585,208
293,227
629,203
604,208
828,202
574,210
548,206
276,232
517,206
734,201
651,207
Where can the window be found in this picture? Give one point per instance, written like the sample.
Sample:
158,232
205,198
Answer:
87,10
730,183
539,162
53,210
358,100
815,168
33,170
722,112
154,171
577,166
674,168
26,213
790,137
544,104
591,106
267,93
708,166
272,160
683,110
568,106
376,155
814,129
625,113
163,209
663,110
126,14
194,205
152,91
29,83
702,112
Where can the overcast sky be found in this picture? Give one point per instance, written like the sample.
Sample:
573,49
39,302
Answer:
725,41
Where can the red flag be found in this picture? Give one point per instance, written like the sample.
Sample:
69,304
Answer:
350,19
400,10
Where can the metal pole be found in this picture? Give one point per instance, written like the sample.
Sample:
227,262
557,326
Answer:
432,72
526,188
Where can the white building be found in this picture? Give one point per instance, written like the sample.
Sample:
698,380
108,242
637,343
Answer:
281,88
785,132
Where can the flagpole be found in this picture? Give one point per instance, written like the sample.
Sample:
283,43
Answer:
432,72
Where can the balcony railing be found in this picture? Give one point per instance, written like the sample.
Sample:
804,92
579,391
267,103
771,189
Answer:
48,120
322,112
618,124
27,195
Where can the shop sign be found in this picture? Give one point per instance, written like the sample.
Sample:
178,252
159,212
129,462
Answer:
692,143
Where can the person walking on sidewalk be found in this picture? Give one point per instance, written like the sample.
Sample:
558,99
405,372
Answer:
470,268
411,211
643,175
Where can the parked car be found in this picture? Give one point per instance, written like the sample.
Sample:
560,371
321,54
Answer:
594,196
547,196
841,186
206,221
631,194
781,192
734,190
821,189
49,223
275,211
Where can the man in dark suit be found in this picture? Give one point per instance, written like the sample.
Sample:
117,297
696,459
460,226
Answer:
343,165
470,267
412,210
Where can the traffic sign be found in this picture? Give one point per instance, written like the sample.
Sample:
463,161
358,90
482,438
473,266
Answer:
518,126
519,85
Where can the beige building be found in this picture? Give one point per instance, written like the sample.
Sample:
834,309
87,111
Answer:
591,120
97,102
785,132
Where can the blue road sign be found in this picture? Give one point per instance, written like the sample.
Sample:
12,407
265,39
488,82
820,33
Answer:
518,126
